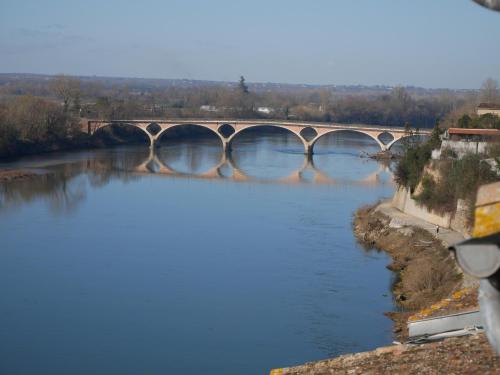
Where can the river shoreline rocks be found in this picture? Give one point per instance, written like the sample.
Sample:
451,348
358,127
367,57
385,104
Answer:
461,355
426,273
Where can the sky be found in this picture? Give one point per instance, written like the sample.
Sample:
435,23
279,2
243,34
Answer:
427,43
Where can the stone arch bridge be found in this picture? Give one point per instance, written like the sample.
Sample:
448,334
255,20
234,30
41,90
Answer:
307,132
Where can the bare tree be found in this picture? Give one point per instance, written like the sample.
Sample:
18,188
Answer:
489,91
66,88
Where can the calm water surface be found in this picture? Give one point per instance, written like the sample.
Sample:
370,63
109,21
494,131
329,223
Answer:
186,262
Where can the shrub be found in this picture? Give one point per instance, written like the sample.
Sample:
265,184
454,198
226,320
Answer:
27,120
459,179
411,165
486,121
448,153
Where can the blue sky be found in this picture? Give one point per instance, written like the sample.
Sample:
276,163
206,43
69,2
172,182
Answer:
430,43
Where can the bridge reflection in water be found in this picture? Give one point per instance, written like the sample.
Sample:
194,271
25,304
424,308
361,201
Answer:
227,169
62,181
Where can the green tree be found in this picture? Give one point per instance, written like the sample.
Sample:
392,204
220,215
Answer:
464,122
407,143
242,85
435,138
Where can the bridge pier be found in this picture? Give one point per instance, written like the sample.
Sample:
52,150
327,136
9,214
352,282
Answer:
153,143
308,149
226,147
309,160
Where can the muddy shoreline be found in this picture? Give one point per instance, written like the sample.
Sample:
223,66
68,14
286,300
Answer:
425,270
14,174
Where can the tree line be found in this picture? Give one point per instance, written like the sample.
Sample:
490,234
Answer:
45,114
30,124
112,101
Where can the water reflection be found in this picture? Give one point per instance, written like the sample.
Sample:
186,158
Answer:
63,184
227,168
62,191
183,252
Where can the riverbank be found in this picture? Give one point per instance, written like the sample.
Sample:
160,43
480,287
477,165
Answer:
14,174
427,284
426,273
18,148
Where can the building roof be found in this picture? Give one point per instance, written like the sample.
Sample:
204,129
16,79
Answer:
462,131
489,106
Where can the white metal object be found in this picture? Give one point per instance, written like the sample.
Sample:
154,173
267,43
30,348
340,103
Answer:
492,4
442,324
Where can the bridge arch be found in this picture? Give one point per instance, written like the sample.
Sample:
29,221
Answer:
226,130
385,137
398,139
309,133
230,140
153,128
330,131
212,129
120,124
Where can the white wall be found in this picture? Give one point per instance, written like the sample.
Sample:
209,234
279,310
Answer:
464,147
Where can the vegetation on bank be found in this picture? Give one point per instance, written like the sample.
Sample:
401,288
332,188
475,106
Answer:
415,157
439,184
30,125
457,179
486,121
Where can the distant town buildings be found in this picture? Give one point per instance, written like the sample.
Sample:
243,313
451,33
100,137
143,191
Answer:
485,108
462,141
208,108
265,110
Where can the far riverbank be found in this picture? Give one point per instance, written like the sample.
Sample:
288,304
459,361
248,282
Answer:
14,174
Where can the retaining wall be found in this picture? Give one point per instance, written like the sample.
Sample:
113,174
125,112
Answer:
402,201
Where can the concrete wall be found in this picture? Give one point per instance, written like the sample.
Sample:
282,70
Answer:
464,147
459,221
402,201
483,111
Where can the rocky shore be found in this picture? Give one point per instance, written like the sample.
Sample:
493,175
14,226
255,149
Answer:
461,355
426,273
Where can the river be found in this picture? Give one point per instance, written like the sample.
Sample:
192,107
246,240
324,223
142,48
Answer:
183,261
